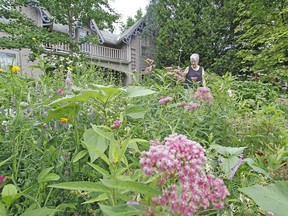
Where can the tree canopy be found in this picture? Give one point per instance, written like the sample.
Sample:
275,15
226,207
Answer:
244,37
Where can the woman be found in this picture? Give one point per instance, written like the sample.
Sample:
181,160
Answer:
194,73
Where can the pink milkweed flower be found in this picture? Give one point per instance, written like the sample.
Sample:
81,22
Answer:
168,68
169,73
149,61
116,124
181,104
270,213
192,106
132,202
2,179
203,94
165,100
60,91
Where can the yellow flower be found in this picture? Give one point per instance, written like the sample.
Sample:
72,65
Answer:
64,120
1,70
15,69
70,68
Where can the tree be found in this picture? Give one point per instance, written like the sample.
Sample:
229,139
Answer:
75,12
22,31
263,37
179,28
130,20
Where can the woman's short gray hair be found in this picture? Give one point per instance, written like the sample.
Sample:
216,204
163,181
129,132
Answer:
195,57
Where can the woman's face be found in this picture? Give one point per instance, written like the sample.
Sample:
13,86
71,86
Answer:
194,63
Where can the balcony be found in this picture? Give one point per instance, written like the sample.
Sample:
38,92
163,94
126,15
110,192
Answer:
94,51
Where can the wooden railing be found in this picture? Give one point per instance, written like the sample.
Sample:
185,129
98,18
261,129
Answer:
94,51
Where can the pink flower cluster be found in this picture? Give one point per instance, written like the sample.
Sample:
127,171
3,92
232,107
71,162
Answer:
177,73
164,100
183,159
203,94
181,104
2,179
192,106
116,124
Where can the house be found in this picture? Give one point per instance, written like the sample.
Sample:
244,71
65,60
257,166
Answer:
121,53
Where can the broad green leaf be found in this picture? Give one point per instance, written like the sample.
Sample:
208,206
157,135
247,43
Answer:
95,151
43,174
82,97
101,197
273,197
82,185
228,163
50,177
94,141
123,210
66,111
40,211
136,91
227,150
136,112
3,211
113,145
79,155
251,163
9,194
131,186
105,134
9,190
109,92
100,170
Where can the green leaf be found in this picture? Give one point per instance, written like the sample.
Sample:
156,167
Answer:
251,163
136,91
108,92
79,155
123,210
82,186
100,170
131,186
9,194
95,151
66,111
273,197
228,163
136,112
94,141
45,176
3,211
40,211
101,197
227,150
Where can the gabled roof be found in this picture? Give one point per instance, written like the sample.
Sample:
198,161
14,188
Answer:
105,37
126,36
133,30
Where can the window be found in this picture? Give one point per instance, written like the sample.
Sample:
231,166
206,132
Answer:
8,58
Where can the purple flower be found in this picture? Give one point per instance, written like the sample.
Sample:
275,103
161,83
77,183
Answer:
2,179
220,160
116,124
132,202
203,94
183,159
164,100
60,91
235,168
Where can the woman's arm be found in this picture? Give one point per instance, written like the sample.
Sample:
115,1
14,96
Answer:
185,72
203,78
